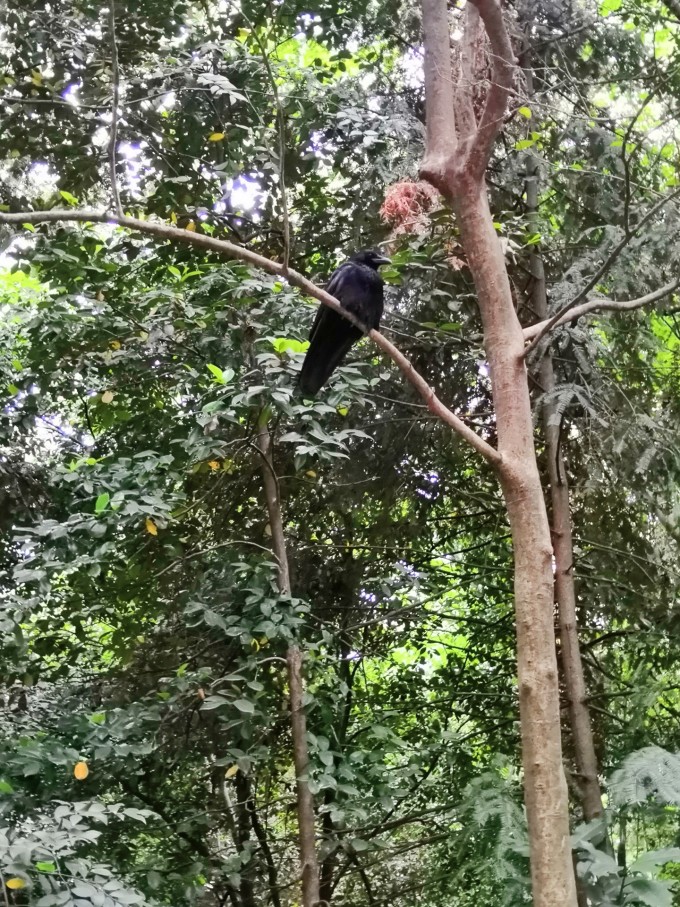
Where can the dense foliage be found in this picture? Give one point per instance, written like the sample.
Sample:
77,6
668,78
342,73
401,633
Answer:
142,633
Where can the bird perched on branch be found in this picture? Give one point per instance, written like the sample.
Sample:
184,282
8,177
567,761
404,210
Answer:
358,287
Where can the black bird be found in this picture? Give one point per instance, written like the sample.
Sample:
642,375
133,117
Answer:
358,287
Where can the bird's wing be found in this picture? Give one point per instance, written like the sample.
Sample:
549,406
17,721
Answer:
336,286
359,290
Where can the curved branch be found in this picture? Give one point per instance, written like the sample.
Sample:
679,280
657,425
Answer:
502,81
602,305
231,250
604,267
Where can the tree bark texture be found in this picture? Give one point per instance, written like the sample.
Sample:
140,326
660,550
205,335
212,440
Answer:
455,162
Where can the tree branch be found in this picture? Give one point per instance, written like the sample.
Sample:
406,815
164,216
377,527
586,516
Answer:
298,722
603,305
466,124
604,267
310,864
625,160
502,81
439,120
231,250
113,138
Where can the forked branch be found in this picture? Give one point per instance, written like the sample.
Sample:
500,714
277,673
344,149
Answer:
603,305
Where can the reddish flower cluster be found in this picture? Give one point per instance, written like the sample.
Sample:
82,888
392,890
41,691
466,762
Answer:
406,206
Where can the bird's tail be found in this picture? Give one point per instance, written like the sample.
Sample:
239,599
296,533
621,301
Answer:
320,363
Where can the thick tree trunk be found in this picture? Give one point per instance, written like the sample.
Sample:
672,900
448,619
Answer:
544,785
459,142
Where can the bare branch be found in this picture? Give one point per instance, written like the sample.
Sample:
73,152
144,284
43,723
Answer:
603,305
231,250
604,267
501,82
113,138
625,160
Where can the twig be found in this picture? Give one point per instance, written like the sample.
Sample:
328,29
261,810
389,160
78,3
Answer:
113,138
603,305
606,264
626,161
5,896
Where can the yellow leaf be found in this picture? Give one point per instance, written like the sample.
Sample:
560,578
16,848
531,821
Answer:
268,530
311,474
191,227
80,771
216,137
255,645
231,771
115,344
107,396
36,77
151,527
214,464
173,218
15,884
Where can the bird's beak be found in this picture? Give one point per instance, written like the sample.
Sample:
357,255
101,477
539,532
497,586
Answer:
383,260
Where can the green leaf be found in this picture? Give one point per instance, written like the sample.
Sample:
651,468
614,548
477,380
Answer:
45,866
217,373
222,377
245,706
6,788
68,198
284,344
524,143
525,112
102,502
